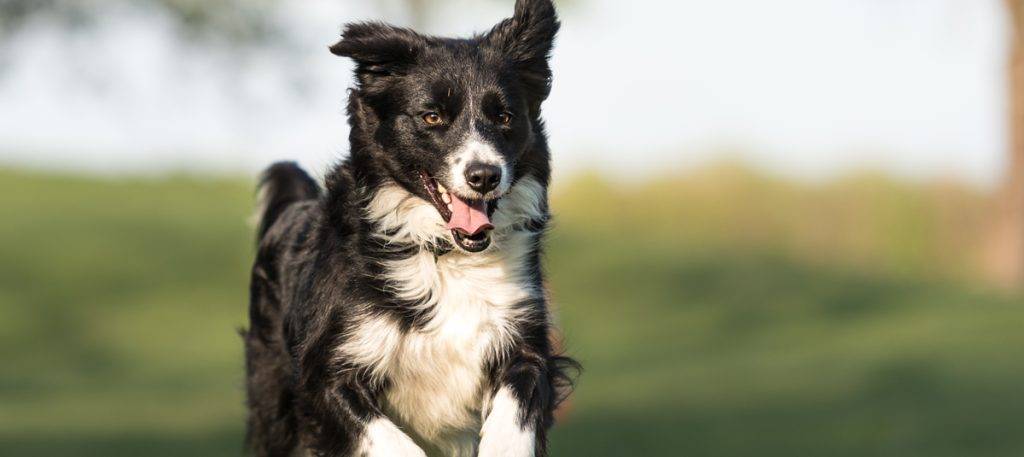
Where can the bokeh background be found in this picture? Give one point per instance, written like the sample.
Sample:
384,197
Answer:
783,228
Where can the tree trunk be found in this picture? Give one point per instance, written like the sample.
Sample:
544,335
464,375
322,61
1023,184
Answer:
1004,250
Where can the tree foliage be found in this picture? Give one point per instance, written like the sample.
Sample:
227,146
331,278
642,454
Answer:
233,21
236,22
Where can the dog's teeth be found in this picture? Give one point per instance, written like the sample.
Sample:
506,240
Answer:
441,189
449,206
447,198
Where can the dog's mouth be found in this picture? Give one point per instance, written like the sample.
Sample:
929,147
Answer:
469,220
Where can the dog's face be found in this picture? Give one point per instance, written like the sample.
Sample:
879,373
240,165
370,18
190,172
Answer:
453,117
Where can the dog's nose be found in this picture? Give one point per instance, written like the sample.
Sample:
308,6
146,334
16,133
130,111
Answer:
483,177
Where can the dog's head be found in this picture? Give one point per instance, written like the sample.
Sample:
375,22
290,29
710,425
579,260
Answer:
451,119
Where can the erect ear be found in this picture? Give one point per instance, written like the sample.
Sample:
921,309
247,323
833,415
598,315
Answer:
526,40
379,49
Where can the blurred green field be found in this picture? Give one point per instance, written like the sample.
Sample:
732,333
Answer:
718,313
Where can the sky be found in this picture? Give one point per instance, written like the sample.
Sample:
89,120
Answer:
805,88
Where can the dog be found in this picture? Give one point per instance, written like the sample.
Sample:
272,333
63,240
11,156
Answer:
401,310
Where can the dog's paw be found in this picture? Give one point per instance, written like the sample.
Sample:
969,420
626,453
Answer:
502,435
517,444
384,439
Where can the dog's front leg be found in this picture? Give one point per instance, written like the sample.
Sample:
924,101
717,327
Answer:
349,423
521,409
344,411
382,438
508,430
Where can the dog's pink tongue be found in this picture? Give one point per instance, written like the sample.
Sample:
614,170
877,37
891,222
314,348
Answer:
469,218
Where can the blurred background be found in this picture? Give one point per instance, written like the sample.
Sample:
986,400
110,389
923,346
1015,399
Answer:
783,228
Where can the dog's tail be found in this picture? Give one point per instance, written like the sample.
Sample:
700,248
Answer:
282,184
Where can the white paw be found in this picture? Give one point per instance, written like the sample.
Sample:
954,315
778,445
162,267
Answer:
493,445
383,439
501,435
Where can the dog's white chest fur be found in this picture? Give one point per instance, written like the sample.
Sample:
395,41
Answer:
435,374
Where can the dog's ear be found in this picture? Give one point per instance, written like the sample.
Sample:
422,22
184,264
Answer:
526,39
380,50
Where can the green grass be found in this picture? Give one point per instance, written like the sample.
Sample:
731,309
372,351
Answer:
717,332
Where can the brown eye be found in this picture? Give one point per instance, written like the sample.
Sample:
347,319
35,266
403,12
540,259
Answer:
432,119
505,118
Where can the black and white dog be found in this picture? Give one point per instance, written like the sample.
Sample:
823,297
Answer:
401,312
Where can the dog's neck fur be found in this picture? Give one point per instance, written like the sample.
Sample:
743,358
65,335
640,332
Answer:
468,306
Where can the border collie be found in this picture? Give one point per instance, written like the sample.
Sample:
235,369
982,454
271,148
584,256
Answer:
401,311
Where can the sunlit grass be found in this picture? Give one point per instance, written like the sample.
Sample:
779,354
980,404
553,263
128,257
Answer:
717,313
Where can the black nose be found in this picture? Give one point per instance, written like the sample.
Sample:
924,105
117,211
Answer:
483,177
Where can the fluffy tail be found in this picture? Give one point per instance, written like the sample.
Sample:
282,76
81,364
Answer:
280,185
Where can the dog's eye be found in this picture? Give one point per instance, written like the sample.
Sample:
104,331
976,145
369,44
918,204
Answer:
432,119
505,118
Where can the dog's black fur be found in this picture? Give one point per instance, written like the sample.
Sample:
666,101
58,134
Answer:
321,269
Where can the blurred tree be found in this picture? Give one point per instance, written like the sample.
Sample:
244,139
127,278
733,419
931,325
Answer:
223,27
236,22
1004,247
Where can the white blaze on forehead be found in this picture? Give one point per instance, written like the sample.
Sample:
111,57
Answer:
476,150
